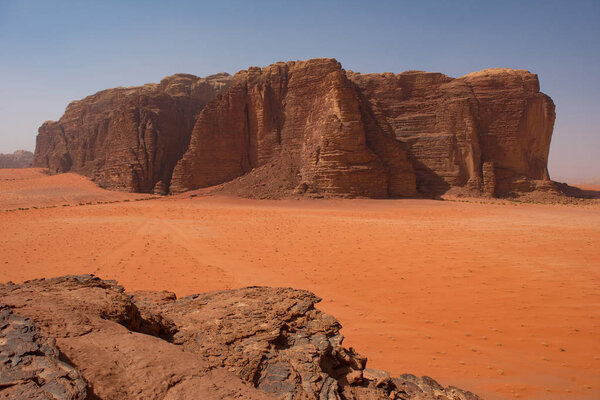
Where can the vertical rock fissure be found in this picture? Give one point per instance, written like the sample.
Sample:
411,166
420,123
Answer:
248,132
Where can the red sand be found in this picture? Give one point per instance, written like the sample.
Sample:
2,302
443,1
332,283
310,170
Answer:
498,298
33,187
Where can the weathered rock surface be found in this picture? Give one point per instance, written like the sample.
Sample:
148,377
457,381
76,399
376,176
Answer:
30,364
300,125
89,339
488,131
18,159
96,327
310,127
128,138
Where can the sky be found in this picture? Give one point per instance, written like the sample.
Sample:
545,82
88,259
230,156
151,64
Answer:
53,52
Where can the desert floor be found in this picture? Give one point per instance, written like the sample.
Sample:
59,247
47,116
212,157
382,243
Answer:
500,298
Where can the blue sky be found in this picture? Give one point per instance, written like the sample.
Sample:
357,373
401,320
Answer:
53,52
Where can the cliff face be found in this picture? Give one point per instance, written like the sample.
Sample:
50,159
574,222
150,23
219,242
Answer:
487,131
128,138
310,127
18,159
304,119
516,123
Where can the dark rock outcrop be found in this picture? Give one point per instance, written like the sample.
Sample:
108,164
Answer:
252,343
310,127
96,327
30,365
18,159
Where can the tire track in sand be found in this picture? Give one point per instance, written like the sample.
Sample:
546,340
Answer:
158,255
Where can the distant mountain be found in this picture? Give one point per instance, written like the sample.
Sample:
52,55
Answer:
18,159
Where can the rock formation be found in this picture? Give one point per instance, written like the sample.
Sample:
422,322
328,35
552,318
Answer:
488,129
128,138
30,363
302,120
310,127
83,338
18,159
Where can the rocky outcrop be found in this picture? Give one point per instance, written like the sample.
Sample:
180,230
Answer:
30,363
18,159
455,130
312,128
297,125
96,341
97,329
128,138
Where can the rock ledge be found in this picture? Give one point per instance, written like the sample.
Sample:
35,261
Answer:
80,337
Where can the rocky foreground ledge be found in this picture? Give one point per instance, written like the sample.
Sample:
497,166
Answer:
80,337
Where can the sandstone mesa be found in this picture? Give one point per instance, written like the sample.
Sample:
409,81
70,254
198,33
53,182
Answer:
311,128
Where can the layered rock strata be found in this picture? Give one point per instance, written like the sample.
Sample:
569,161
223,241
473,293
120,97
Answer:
128,138
310,127
305,120
87,338
493,122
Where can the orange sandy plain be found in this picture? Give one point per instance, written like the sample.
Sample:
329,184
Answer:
499,298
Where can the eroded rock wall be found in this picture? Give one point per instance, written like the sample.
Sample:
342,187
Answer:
128,138
304,119
515,126
311,128
452,127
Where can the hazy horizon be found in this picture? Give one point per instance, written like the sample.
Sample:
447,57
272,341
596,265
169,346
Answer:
56,53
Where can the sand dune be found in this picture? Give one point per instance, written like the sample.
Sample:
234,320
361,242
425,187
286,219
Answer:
33,187
498,298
